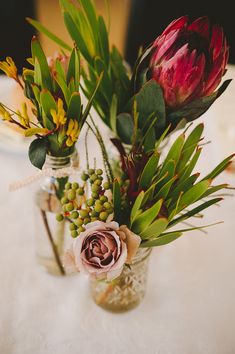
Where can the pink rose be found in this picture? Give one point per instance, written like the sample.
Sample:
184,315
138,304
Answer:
102,250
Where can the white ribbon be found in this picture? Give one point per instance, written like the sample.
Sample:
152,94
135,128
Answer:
47,172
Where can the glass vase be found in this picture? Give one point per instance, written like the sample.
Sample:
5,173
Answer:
128,290
52,237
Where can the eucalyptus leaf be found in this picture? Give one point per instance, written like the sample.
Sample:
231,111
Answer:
37,152
125,127
150,101
196,108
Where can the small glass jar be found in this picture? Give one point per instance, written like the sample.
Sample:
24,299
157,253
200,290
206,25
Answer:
52,236
127,291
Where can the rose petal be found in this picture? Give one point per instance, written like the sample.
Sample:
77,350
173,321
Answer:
132,241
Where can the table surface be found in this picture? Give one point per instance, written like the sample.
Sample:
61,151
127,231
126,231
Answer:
189,307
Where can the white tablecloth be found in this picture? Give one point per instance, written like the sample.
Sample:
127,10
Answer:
190,303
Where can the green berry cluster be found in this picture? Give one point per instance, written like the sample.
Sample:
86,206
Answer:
97,207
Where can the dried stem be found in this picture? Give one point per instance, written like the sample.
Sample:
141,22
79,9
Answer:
53,246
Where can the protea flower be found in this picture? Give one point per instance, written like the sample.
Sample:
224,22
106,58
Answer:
189,60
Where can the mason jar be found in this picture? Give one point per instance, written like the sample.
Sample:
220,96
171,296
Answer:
52,237
128,290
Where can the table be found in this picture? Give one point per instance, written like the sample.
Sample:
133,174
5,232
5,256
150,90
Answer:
190,303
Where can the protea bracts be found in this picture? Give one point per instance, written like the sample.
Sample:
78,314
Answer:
189,60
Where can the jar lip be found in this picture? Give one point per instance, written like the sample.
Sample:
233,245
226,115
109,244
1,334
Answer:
59,158
57,162
141,255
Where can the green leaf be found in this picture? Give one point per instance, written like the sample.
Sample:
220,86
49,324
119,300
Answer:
193,194
38,53
163,192
189,146
183,186
198,227
90,102
90,12
155,229
74,69
125,127
162,137
149,171
220,168
150,138
150,101
167,171
74,109
76,36
113,114
37,152
119,69
175,151
136,206
49,34
162,240
59,69
106,86
146,218
104,42
195,211
47,103
117,200
214,189
37,73
64,88
188,169
36,92
196,108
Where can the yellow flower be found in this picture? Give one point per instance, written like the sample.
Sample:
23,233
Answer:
59,117
72,132
9,68
5,114
27,72
23,116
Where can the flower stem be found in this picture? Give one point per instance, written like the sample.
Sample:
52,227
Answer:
53,246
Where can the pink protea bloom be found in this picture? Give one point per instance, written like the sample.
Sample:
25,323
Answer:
189,60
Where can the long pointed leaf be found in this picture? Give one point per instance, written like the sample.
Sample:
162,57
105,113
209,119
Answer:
155,229
146,218
195,211
162,240
48,33
136,206
149,171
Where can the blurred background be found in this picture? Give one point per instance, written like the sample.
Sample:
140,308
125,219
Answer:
133,23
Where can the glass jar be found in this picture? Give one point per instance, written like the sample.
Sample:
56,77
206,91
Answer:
52,237
127,291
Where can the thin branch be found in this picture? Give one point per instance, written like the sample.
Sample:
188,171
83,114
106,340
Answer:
53,246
